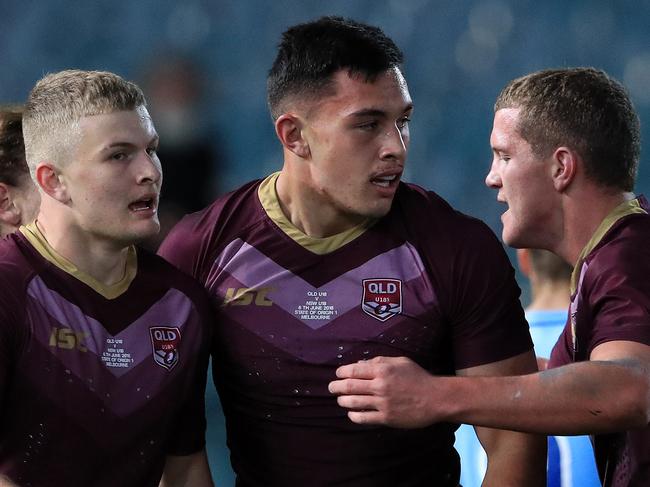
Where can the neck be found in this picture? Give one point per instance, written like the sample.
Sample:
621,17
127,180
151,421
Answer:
583,214
549,295
310,211
104,261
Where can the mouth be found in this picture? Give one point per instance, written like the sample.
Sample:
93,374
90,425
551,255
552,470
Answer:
147,203
386,180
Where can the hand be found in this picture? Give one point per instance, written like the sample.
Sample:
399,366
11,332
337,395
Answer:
392,391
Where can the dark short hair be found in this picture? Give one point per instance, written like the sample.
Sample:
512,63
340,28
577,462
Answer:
582,108
310,54
13,166
550,267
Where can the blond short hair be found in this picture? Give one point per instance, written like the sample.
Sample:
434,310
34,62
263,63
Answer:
59,100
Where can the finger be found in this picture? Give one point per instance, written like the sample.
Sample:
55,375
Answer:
350,386
366,417
359,370
358,403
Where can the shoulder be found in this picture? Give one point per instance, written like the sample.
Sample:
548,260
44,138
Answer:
434,219
241,204
624,249
15,274
200,233
156,268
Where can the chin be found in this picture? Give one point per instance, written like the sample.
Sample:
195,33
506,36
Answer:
378,210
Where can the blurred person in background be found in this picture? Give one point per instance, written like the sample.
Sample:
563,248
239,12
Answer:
570,458
566,148
334,260
176,97
19,198
103,345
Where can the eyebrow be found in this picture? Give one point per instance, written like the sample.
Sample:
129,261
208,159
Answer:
119,144
375,112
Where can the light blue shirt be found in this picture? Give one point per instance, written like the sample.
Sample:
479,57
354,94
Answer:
570,458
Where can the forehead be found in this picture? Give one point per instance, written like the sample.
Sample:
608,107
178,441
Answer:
388,92
126,126
505,128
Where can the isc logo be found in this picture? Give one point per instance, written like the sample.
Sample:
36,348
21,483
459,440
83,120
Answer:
245,296
68,339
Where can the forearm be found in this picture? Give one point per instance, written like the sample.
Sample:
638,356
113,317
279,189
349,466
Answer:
583,398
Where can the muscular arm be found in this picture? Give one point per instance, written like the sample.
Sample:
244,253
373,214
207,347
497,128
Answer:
513,458
187,471
609,393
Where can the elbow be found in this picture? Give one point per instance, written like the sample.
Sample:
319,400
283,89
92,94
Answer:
635,406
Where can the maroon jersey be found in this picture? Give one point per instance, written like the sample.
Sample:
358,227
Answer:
424,282
610,301
97,383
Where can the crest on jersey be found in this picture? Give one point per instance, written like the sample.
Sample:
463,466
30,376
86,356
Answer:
382,298
165,341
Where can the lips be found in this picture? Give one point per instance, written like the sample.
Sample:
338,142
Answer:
147,203
386,179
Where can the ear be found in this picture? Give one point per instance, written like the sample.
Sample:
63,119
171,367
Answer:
50,181
9,213
289,128
523,261
565,167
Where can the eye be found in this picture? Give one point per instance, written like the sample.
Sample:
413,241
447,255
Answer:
119,156
368,126
403,122
152,150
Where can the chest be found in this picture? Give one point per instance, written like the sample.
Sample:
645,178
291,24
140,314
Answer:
269,311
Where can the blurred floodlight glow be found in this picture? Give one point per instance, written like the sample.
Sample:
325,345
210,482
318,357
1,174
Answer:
490,22
636,77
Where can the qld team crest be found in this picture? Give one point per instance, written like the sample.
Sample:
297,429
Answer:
165,341
382,298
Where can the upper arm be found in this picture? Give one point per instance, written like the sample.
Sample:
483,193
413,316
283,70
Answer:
524,363
187,471
623,352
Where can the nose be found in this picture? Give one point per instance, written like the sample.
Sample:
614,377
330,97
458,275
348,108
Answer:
395,143
493,179
149,168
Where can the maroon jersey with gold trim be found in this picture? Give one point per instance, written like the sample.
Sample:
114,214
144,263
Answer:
424,282
611,301
97,391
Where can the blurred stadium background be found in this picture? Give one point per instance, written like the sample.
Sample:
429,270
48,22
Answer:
459,53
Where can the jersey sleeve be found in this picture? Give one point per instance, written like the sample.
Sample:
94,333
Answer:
181,246
488,322
617,288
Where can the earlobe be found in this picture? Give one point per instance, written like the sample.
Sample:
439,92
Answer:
49,180
564,168
288,128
